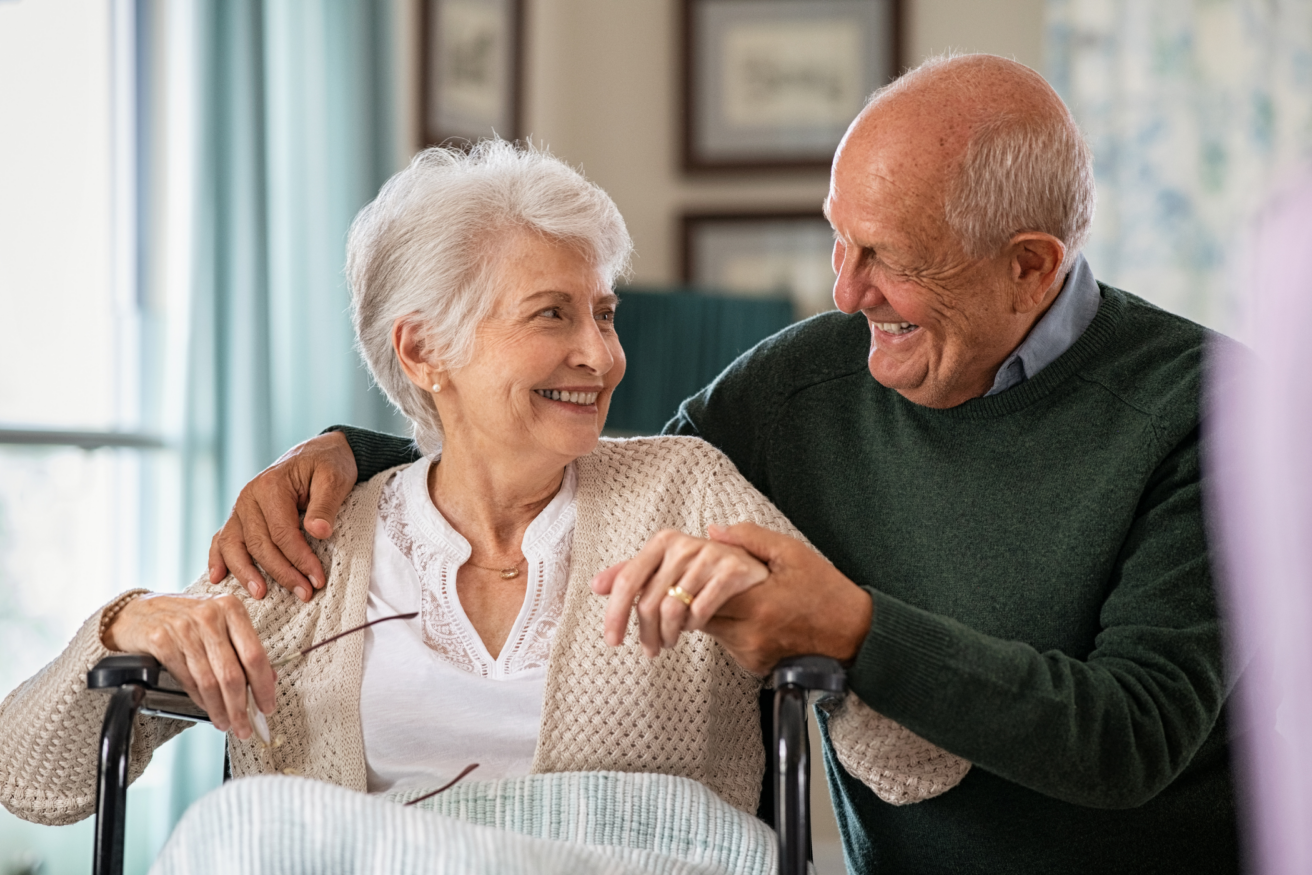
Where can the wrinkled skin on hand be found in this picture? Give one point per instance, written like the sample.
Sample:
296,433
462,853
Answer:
803,606
709,572
208,644
265,526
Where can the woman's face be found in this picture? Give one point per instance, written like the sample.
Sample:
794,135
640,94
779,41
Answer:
545,361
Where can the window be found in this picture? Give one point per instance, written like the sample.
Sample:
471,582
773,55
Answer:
72,435
89,495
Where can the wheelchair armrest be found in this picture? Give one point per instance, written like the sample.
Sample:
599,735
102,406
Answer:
164,696
794,679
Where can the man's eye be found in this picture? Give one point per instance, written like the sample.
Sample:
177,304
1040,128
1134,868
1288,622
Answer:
606,315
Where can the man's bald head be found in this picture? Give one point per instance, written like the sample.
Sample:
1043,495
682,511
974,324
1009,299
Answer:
991,142
960,198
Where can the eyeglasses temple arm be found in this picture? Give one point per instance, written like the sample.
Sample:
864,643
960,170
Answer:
295,656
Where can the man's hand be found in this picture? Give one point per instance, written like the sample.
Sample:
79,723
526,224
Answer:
805,606
316,477
208,644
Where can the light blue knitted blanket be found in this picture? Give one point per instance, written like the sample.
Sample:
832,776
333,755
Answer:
583,822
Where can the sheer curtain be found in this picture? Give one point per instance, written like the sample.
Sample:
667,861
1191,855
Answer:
1194,109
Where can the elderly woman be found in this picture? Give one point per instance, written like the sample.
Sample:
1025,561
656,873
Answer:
483,304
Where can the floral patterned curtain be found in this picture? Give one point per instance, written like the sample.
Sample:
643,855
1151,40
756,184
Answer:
1195,109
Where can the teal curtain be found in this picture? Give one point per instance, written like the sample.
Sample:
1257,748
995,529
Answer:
297,118
297,135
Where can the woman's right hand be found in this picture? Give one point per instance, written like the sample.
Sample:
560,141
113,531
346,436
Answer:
208,644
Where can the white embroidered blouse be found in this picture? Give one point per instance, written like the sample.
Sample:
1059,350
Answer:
433,699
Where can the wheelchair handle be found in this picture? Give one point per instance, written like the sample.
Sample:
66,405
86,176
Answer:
115,671
136,684
793,679
811,673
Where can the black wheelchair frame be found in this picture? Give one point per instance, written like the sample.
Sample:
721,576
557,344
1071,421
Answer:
138,685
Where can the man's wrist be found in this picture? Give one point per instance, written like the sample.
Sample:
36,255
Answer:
859,614
375,451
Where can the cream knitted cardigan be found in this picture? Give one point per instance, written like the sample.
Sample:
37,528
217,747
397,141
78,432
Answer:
692,712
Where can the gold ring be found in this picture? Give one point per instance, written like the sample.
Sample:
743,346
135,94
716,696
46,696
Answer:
678,592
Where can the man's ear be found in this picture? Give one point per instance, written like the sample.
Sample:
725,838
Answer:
408,341
1035,264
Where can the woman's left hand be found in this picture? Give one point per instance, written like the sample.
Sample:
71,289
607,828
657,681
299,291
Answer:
709,572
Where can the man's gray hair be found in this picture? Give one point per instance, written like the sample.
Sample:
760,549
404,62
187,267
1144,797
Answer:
1030,172
428,249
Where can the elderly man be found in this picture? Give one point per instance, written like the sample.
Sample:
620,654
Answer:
1011,505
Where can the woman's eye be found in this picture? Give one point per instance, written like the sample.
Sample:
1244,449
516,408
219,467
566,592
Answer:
551,313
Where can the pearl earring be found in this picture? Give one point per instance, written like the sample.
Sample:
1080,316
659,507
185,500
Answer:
437,387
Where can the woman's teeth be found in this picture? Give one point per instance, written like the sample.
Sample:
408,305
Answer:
569,397
895,327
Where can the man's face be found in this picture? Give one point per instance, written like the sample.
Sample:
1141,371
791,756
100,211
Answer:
940,322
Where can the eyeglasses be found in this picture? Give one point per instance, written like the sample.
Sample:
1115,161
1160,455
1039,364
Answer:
258,722
261,726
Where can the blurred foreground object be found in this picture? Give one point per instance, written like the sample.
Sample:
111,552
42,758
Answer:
1262,502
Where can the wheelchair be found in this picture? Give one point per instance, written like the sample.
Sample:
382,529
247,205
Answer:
137,684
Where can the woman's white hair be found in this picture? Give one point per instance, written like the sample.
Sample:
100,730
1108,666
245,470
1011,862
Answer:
1021,172
427,249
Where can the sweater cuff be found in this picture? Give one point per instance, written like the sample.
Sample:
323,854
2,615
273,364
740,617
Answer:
374,451
902,662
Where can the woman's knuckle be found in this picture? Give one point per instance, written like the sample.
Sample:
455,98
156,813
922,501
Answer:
230,676
229,604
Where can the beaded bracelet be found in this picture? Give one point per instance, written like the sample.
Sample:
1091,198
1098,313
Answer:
111,610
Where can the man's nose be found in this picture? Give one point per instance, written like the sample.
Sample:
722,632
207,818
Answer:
855,290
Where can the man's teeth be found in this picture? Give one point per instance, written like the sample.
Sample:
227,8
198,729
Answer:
895,327
570,397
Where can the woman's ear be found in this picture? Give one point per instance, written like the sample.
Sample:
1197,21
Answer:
413,354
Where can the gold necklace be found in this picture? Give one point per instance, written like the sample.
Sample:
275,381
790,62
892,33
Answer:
506,573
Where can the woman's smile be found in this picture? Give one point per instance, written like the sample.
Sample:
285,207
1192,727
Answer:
583,399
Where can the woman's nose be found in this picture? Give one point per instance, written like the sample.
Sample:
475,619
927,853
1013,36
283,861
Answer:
591,351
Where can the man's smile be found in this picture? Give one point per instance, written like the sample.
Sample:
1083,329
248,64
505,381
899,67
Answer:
894,328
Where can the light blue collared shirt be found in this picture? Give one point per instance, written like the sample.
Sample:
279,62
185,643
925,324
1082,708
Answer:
1073,311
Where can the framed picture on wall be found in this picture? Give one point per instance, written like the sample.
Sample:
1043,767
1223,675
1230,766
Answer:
472,70
774,83
762,254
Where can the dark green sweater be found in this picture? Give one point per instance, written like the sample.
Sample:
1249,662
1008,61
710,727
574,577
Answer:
1042,599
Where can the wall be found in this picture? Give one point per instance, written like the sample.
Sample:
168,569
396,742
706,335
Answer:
602,91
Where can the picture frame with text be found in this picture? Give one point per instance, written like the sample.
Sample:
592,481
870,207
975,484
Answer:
771,84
